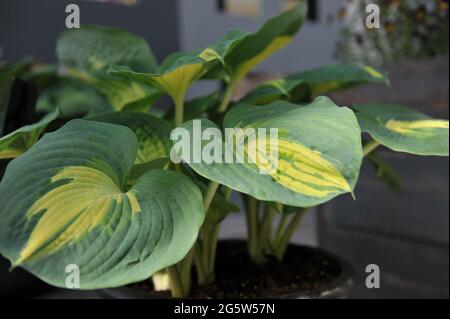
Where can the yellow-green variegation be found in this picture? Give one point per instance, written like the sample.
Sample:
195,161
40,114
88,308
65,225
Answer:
153,134
180,70
66,202
404,130
16,143
306,85
319,152
89,51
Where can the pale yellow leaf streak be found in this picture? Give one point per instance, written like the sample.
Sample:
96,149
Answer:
415,127
276,45
374,73
300,169
322,88
9,152
73,209
334,85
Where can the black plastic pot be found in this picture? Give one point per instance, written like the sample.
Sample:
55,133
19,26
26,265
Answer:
338,287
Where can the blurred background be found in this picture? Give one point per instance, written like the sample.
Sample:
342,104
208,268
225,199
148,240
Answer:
405,232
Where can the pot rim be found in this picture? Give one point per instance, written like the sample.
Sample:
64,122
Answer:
335,289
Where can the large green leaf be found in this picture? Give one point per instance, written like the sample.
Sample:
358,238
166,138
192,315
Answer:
89,51
65,202
153,133
403,130
16,143
180,70
93,48
304,86
319,151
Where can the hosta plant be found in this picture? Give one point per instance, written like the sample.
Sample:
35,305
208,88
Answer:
102,192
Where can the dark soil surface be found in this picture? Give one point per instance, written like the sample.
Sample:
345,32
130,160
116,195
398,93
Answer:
305,271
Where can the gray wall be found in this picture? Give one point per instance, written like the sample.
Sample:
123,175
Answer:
30,27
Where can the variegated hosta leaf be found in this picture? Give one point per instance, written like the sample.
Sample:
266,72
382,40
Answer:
93,48
319,152
65,202
16,143
404,130
180,70
121,94
272,37
153,133
89,51
306,85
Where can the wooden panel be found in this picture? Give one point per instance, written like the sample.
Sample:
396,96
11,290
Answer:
420,212
408,270
406,234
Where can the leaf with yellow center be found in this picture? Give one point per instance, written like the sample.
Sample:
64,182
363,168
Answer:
180,70
299,168
316,156
73,209
89,51
67,201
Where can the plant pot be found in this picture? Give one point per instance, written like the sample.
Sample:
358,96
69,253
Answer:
306,273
